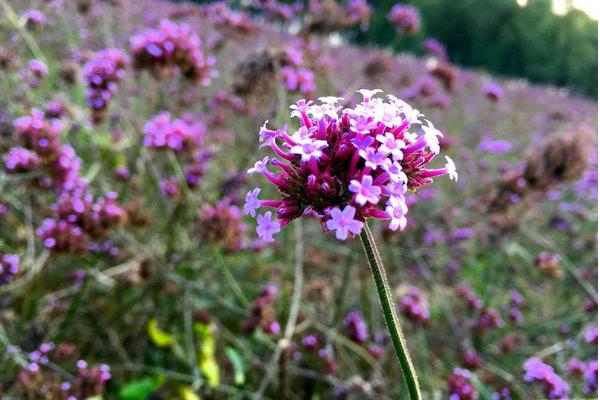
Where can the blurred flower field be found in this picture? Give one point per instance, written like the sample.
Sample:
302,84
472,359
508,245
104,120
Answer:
143,257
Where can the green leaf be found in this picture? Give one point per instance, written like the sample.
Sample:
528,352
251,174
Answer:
138,390
237,362
206,354
159,337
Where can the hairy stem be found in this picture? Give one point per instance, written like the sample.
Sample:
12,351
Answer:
389,313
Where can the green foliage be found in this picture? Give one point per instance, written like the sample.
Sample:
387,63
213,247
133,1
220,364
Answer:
499,35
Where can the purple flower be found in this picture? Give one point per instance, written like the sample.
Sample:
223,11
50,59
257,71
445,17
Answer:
20,159
172,48
537,370
259,166
365,190
495,146
9,267
360,157
357,328
266,227
162,132
460,386
414,305
252,202
343,222
309,148
405,18
391,145
493,91
397,210
374,158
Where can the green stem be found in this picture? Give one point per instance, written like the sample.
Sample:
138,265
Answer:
389,313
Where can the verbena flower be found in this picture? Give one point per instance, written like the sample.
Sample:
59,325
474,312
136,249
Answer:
172,48
9,267
460,386
537,370
178,134
493,91
262,313
356,326
405,18
414,305
344,166
102,74
20,159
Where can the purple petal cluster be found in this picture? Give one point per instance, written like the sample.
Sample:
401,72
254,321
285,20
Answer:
172,48
473,301
180,134
460,386
102,74
405,18
488,319
20,159
77,218
493,91
262,313
538,371
10,265
222,224
414,305
344,166
356,326
301,80
39,379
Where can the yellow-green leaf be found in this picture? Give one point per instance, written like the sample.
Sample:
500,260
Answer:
206,354
186,393
158,337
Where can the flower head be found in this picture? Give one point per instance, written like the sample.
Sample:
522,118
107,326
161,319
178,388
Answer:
343,222
405,18
267,227
343,166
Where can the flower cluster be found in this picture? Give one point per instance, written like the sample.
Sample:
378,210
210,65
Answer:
225,18
405,18
262,312
436,49
344,166
493,91
318,348
33,18
414,305
38,380
35,73
356,326
102,74
9,267
473,301
162,132
460,386
359,12
172,48
300,80
537,370
222,224
184,136
42,150
487,320
20,159
77,216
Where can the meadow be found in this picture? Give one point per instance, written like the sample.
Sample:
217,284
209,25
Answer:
134,263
